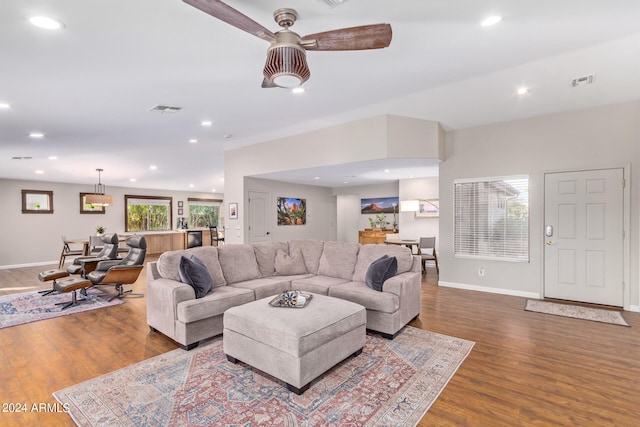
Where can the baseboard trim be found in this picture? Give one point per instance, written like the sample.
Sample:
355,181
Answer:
490,290
31,264
635,308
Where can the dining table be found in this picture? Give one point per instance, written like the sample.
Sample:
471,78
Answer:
410,243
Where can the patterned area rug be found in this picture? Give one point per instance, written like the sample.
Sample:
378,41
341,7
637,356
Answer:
391,383
576,311
17,309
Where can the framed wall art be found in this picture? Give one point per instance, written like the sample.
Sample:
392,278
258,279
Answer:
233,210
379,205
87,208
292,211
428,208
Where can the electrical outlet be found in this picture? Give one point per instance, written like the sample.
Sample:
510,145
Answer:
481,272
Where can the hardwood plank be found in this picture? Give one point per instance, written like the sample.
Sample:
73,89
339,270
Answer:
525,369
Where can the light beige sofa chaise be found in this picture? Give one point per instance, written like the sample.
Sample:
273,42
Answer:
248,272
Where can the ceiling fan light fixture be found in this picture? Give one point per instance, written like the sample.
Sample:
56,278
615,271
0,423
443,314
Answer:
286,66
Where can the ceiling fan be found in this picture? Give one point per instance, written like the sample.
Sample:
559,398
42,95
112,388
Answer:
286,64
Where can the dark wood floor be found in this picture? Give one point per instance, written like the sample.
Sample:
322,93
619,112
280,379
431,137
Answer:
525,369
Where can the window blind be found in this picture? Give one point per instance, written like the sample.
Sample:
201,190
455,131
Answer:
492,218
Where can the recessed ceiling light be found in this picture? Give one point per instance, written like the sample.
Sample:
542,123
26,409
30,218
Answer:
345,182
298,89
153,167
386,171
206,123
39,172
36,135
190,185
492,20
4,106
46,22
522,91
213,190
132,179
53,157
316,177
193,141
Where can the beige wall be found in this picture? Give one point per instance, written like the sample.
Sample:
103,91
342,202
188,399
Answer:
587,139
35,238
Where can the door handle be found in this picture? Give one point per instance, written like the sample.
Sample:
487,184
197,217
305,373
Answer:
549,242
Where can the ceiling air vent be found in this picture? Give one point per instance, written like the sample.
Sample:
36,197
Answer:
21,158
332,3
165,109
584,80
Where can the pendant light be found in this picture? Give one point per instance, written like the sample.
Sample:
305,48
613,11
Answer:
98,198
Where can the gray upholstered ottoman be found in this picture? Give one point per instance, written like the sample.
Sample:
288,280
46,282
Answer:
295,345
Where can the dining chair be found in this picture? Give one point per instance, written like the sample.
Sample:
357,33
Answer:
215,236
428,252
67,251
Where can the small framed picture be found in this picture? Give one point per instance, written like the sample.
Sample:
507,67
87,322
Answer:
233,211
180,203
180,211
429,208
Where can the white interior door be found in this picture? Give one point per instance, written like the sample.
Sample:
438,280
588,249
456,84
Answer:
259,230
584,242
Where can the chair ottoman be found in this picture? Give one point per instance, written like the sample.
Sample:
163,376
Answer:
295,345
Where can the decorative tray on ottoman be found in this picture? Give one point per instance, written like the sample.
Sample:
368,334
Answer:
292,299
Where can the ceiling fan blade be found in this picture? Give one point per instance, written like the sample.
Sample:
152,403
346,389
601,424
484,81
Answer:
231,16
375,36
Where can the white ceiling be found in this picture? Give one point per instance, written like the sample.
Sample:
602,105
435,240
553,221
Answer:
90,86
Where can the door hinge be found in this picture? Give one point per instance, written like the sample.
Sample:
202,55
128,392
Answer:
623,286
624,235
624,183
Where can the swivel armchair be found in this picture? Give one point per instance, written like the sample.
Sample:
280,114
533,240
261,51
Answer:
120,272
86,264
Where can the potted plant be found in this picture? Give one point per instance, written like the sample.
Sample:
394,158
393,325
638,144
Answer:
381,220
100,230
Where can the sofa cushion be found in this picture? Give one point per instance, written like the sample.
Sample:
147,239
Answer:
380,270
316,284
338,259
311,252
266,256
287,265
360,293
193,272
213,304
169,263
264,287
238,263
369,253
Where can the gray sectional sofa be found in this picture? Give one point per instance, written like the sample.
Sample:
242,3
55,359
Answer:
245,273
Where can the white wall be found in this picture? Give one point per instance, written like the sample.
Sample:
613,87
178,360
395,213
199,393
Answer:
361,140
412,227
35,238
587,139
321,209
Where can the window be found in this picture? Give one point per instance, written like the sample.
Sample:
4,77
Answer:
37,201
492,218
148,213
203,213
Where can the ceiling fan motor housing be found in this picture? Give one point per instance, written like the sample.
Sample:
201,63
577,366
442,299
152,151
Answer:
286,64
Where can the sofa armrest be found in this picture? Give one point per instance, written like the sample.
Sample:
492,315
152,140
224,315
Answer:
403,284
163,297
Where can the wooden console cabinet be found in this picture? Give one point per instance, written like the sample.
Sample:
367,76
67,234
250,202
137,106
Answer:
373,235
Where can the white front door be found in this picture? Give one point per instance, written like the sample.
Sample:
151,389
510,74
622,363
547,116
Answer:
584,242
259,230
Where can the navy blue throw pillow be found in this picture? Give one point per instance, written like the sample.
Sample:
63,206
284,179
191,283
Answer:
193,272
380,270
